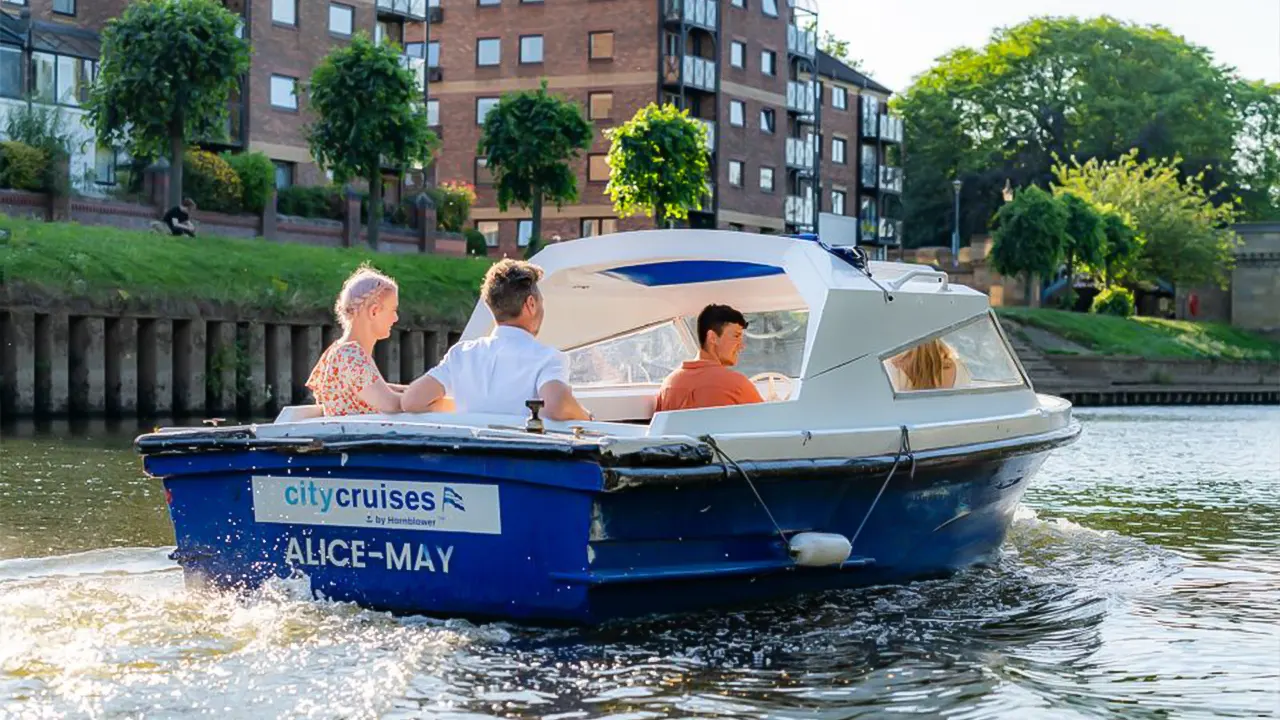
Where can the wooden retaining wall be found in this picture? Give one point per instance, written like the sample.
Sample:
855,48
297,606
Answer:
54,365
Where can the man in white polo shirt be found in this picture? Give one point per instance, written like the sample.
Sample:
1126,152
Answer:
498,373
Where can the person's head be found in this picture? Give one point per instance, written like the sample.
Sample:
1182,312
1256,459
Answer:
189,204
368,303
929,366
720,330
510,290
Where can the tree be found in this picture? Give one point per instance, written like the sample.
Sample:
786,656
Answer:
1122,245
1061,87
1085,239
529,138
658,164
167,68
1186,238
838,49
1258,149
371,115
1029,236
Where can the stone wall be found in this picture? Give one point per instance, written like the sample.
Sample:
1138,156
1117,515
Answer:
1252,298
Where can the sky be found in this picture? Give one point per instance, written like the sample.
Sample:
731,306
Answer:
898,39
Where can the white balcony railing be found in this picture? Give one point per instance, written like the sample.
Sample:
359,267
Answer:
891,178
799,210
710,125
700,72
801,97
801,152
703,13
802,42
416,9
890,231
891,128
418,66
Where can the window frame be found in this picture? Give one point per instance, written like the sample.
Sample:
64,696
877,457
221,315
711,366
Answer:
771,127
604,157
479,42
591,45
844,202
734,47
272,95
64,13
479,119
837,91
497,232
742,173
987,314
843,144
542,50
772,57
479,162
591,96
282,23
773,179
739,104
352,13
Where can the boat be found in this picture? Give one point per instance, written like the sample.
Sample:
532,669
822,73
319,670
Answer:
851,473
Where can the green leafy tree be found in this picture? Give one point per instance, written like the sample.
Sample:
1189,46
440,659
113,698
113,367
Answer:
167,68
529,138
1258,151
1062,87
839,49
371,114
1186,238
1030,235
1085,239
1122,246
658,163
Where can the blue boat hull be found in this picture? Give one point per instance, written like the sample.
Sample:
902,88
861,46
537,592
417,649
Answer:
571,539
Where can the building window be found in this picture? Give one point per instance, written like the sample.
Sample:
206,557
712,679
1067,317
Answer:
599,105
433,53
598,226
839,98
739,3
766,179
768,62
530,49
600,45
488,2
342,19
524,232
770,7
738,54
433,112
737,113
837,202
284,174
839,150
598,168
483,106
488,51
284,12
66,7
489,229
61,79
10,71
483,176
284,92
735,173
104,166
768,120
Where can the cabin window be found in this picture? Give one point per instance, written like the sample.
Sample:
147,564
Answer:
971,357
645,356
773,341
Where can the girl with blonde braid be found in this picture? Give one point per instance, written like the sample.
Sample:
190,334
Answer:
346,381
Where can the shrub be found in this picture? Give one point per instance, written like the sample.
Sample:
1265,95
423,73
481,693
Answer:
475,243
22,167
210,181
1113,301
257,178
453,201
43,128
535,245
321,201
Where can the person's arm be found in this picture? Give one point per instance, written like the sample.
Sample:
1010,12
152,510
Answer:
422,394
381,397
747,392
555,391
364,377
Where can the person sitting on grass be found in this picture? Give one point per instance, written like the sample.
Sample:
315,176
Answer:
346,381
178,219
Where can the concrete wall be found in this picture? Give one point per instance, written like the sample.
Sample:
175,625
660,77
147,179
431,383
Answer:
1252,299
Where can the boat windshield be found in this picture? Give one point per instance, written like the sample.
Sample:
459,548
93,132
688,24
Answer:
774,341
971,357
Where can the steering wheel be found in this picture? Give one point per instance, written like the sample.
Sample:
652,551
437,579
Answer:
772,376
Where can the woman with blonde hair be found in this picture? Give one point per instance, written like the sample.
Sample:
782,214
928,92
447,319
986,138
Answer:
346,380
930,365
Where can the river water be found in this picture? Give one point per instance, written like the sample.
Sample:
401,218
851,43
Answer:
1141,579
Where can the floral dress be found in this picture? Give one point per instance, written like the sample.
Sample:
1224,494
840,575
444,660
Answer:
342,372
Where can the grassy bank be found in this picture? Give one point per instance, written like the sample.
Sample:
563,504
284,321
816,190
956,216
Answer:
109,266
1149,337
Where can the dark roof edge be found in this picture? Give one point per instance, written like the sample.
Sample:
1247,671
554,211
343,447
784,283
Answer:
832,67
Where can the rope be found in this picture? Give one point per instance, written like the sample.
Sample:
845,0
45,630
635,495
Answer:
730,461
904,448
857,257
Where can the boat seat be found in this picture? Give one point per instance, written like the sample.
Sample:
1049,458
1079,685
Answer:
296,413
620,403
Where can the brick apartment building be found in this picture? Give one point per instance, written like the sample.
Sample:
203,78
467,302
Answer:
786,149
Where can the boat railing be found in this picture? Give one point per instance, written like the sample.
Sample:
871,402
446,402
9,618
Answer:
898,282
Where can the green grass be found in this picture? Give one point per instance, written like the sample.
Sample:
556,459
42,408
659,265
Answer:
107,265
1149,337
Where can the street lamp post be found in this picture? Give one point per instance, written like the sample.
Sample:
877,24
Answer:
955,231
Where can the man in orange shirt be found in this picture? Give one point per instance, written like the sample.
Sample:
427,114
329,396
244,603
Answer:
708,381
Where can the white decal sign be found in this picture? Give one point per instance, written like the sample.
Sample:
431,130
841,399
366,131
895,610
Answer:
383,504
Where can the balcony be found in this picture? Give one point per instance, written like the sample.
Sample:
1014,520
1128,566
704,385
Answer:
701,13
799,210
691,71
891,179
411,9
891,128
869,174
868,227
802,42
801,97
890,232
418,66
710,125
801,153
